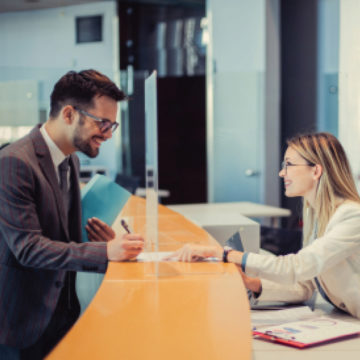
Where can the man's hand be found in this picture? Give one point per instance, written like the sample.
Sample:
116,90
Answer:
97,230
125,247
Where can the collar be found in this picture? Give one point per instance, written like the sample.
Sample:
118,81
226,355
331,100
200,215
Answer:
57,156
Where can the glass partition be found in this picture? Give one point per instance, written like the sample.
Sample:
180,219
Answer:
151,166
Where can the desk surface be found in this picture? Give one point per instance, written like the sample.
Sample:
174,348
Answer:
189,311
242,208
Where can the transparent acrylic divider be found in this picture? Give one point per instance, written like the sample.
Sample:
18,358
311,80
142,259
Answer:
175,230
151,165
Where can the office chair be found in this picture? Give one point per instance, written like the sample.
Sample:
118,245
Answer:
280,241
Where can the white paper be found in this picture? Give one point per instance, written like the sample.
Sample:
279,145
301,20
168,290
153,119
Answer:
155,256
164,256
260,318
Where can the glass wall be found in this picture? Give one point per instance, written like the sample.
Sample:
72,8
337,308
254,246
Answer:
40,46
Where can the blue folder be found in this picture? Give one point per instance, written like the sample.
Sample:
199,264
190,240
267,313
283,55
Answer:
104,199
101,198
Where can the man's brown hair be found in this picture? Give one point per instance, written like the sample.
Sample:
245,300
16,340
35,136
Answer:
80,88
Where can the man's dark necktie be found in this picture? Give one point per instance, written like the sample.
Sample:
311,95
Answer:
67,293
64,185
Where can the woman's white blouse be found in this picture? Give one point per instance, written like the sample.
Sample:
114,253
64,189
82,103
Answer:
333,258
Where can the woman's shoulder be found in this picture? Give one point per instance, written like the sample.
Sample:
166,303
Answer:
347,216
350,205
347,208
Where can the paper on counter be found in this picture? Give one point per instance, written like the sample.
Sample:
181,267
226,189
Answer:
155,256
164,256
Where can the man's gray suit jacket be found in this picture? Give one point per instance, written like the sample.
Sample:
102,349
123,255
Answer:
36,246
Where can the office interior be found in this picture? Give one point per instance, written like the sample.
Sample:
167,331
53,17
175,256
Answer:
234,82
236,78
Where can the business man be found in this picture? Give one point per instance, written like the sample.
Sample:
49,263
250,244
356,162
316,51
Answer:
40,217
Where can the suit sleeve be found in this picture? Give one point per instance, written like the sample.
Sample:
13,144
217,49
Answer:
20,226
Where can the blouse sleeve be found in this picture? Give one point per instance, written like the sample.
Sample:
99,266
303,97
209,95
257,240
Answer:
341,240
272,291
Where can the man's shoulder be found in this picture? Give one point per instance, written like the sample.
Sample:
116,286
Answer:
22,148
19,149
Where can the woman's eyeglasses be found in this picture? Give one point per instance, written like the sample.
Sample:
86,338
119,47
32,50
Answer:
286,164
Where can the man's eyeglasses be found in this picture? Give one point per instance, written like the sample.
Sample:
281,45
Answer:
104,124
286,164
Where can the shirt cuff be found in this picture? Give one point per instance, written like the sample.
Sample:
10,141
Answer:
243,261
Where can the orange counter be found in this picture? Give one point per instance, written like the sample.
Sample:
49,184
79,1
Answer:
190,311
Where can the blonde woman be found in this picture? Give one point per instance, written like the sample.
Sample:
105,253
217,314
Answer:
315,167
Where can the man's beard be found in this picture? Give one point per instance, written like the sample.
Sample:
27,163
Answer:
84,145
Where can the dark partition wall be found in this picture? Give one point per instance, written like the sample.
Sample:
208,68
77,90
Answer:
182,138
298,73
166,36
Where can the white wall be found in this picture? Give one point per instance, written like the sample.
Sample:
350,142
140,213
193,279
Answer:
239,123
271,134
349,82
41,45
238,35
328,65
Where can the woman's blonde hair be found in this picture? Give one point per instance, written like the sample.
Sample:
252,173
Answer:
336,180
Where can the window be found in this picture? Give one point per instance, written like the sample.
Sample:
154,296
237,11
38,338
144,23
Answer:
88,29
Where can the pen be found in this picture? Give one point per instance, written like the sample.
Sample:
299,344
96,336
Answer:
125,226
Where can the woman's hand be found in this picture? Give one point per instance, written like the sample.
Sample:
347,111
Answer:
253,284
97,230
194,252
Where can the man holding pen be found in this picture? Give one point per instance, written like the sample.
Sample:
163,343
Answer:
40,217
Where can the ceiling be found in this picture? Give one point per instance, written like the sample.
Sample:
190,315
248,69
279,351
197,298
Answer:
22,5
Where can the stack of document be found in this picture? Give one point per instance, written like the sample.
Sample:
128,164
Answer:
261,318
300,327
